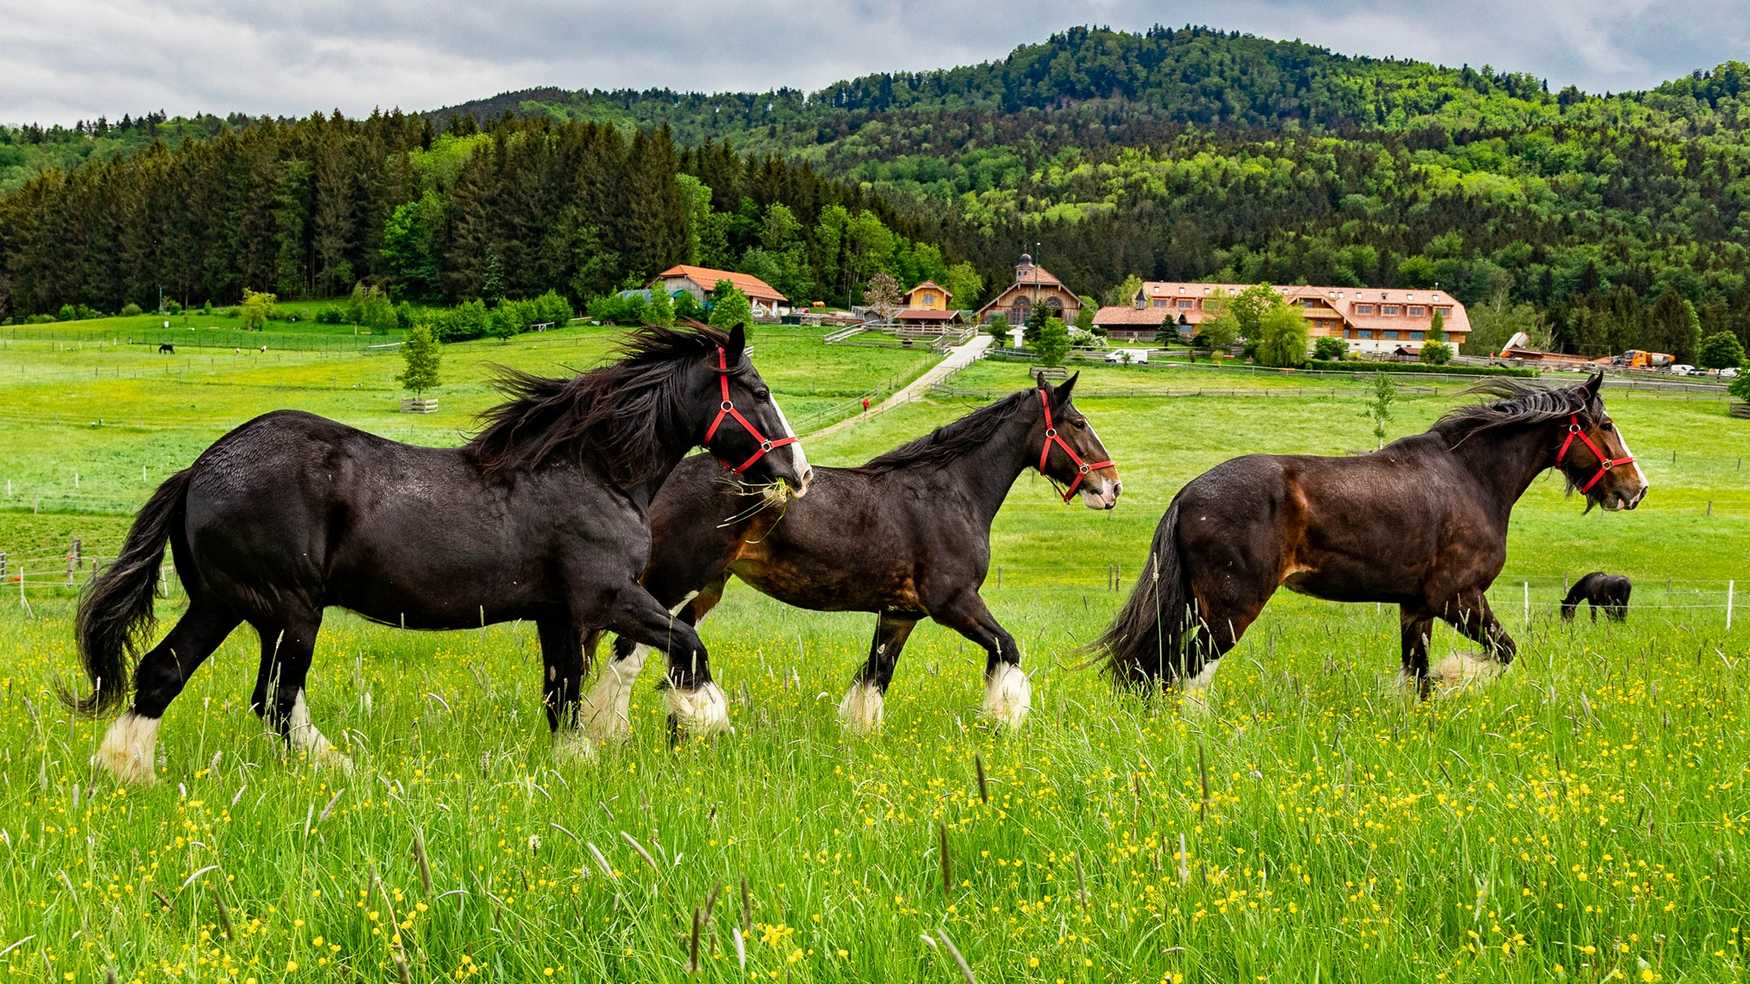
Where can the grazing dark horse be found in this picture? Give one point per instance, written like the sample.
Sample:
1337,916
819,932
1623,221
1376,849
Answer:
905,536
165,348
1421,523
1607,591
541,517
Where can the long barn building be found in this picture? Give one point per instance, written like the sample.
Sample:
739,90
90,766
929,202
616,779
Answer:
1368,318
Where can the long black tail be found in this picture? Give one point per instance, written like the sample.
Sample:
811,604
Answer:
1145,642
115,613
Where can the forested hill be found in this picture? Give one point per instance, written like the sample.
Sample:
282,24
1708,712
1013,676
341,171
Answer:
1193,153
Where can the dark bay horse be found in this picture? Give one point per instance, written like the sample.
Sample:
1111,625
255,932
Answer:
905,536
1421,523
541,517
1607,591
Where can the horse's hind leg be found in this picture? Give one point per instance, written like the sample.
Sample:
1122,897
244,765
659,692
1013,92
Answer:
287,648
129,748
862,709
1008,695
561,671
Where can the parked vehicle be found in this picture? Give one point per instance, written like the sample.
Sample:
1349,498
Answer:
1684,369
1730,372
1637,359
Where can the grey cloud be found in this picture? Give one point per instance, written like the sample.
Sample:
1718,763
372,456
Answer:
81,58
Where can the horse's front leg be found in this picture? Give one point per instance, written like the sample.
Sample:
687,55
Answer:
696,704
1477,622
561,681
1008,695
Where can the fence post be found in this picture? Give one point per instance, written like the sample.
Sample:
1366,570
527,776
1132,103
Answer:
1526,587
2,567
1730,588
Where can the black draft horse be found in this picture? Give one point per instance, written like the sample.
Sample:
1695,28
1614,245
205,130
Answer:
1600,590
1421,523
905,536
541,517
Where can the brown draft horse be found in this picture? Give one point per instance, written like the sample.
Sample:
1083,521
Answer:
1600,590
905,536
540,517
1421,523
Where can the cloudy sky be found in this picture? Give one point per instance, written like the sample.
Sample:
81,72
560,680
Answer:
62,60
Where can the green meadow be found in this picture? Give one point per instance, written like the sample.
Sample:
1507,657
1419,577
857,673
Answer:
1581,817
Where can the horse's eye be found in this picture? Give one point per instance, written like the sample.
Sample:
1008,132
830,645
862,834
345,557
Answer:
1607,425
762,395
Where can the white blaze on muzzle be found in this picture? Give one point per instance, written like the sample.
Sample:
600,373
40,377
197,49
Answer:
798,457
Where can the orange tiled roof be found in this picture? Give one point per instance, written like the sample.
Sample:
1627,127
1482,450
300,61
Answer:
931,285
926,314
1126,314
707,278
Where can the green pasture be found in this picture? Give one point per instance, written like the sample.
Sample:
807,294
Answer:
1583,817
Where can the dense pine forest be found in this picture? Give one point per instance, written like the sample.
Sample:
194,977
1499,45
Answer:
1600,221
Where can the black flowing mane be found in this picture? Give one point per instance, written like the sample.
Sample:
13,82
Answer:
1516,403
617,414
952,441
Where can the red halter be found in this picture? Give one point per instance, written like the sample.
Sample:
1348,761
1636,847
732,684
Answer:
1605,462
727,409
1051,437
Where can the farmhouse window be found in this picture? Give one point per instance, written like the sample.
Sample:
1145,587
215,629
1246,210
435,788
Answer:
1391,310
1418,311
1363,309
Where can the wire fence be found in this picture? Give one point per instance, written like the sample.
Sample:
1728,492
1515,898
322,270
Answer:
67,339
1515,599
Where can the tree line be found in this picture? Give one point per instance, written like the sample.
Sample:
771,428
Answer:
312,207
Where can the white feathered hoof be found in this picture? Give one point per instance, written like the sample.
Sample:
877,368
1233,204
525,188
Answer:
130,750
303,736
863,708
1466,669
1008,696
699,713
573,748
605,714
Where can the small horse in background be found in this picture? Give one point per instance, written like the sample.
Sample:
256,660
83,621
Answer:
1421,523
1600,590
905,536
541,517
165,348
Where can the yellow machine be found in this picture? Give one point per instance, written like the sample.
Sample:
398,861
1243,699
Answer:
1637,359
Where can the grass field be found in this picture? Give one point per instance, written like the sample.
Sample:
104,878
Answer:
1581,818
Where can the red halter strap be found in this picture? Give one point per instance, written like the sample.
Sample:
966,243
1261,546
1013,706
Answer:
1605,462
727,409
1052,437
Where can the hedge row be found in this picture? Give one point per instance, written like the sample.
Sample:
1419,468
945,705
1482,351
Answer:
1449,369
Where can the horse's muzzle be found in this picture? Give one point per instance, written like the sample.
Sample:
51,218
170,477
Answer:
1105,497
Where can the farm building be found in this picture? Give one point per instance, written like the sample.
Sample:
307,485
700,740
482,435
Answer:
701,281
1370,319
1034,286
1130,321
927,305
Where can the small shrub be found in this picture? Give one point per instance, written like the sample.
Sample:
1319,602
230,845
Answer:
172,306
330,315
67,313
130,310
40,319
1330,348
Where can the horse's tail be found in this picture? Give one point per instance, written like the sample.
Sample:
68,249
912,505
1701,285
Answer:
115,612
1143,644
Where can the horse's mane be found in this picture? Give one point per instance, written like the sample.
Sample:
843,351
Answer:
953,440
1516,403
617,414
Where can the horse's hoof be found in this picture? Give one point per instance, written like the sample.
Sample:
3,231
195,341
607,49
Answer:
331,758
129,750
573,747
699,712
862,710
1008,696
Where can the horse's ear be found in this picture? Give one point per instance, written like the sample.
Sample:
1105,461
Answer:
1060,396
1590,387
736,345
1039,381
